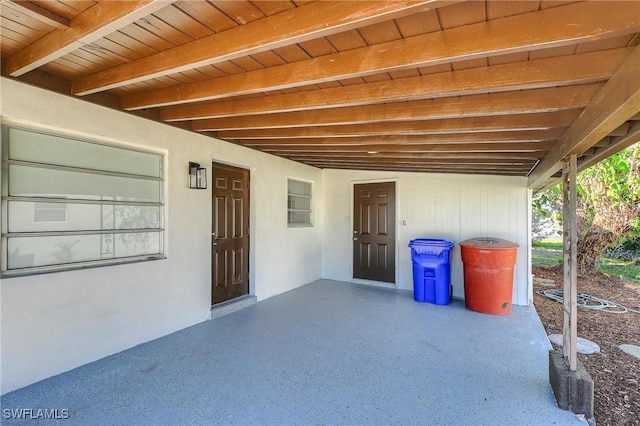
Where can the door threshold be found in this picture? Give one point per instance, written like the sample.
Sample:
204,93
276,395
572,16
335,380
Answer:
374,283
224,308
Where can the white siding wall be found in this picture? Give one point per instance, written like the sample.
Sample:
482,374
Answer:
54,322
451,207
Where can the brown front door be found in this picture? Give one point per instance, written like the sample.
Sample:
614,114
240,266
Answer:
230,233
374,217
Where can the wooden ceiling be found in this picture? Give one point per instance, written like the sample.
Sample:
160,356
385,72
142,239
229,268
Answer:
485,87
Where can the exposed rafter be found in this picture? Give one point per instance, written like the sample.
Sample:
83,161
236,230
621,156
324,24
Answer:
94,23
537,30
617,102
517,102
574,69
39,13
292,26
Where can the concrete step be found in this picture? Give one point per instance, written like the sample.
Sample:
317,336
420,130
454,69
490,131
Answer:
233,305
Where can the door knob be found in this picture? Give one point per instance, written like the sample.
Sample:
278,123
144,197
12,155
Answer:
355,238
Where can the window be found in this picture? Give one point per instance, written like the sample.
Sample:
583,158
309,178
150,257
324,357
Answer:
69,203
299,203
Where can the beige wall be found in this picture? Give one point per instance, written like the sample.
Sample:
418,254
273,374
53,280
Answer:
450,207
54,322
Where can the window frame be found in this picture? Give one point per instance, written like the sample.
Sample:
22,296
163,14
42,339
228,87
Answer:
309,210
102,201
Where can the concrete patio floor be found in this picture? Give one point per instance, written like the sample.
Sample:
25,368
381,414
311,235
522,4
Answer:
325,353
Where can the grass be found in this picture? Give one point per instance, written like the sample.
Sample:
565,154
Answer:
548,244
628,271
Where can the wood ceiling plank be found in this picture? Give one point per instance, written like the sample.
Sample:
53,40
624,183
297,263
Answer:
243,12
465,13
419,23
317,47
615,144
618,100
421,155
398,148
449,138
272,7
206,14
41,14
607,43
517,102
177,18
444,47
501,9
347,40
459,125
96,22
296,25
161,29
575,69
476,162
381,32
65,9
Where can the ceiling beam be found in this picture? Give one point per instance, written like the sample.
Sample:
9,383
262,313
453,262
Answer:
618,101
295,25
517,102
94,23
471,147
475,162
573,69
39,13
449,138
418,155
458,125
537,30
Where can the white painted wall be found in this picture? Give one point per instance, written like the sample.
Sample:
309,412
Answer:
54,322
450,207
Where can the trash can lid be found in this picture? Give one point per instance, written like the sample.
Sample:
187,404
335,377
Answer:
430,242
489,242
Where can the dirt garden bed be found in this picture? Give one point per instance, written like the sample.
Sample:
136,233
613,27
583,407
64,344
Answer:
616,374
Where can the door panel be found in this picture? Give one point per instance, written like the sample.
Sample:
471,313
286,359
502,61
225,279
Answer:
374,231
230,233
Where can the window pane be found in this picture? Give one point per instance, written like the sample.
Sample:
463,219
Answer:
24,217
296,202
299,188
300,218
26,252
37,182
36,147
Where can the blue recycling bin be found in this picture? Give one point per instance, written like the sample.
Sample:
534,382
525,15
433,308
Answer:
431,260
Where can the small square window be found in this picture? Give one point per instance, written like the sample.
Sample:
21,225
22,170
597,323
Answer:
299,203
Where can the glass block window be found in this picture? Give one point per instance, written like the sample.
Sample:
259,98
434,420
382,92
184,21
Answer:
69,203
299,203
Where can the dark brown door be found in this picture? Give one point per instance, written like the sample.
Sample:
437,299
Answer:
374,241
230,233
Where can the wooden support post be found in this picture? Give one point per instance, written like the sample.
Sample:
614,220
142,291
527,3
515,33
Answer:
570,236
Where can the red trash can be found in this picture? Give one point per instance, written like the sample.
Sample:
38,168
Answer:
488,274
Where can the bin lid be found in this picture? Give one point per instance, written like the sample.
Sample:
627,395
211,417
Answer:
489,242
430,242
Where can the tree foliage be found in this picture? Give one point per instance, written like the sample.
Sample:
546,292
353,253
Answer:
608,206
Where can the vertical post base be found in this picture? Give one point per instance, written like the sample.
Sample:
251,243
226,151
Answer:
573,389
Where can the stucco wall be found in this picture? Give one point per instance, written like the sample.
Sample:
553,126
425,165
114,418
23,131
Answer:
451,207
54,322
